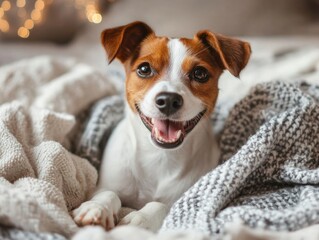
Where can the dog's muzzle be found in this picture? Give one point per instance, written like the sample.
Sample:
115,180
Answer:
167,133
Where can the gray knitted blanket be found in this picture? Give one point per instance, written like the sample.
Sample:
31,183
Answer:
268,176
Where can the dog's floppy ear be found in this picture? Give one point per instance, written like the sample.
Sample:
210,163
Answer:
120,42
233,54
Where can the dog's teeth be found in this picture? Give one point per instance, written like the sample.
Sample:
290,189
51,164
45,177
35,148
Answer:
152,121
178,135
157,135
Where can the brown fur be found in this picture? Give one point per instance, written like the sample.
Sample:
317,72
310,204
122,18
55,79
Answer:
200,56
154,50
136,43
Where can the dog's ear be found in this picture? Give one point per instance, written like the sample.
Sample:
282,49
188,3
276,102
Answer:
233,54
121,42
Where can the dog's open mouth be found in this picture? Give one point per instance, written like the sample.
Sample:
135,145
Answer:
168,133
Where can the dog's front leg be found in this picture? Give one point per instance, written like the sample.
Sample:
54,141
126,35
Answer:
150,217
102,210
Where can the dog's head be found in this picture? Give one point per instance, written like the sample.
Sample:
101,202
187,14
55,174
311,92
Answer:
172,82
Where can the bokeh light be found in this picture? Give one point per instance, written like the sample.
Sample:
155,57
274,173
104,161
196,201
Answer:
20,3
6,5
39,5
29,24
23,32
30,13
96,18
4,25
36,15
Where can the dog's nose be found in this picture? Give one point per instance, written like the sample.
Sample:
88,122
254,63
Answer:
168,102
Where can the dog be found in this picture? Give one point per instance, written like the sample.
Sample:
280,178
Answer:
165,142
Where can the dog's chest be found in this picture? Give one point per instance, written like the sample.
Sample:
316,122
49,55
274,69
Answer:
161,177
140,173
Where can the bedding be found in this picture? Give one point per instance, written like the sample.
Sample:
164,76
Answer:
269,175
41,111
40,179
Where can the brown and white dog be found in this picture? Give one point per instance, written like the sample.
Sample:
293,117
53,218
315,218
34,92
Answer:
165,142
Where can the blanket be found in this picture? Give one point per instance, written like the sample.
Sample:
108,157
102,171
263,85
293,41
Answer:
269,175
40,179
269,172
42,102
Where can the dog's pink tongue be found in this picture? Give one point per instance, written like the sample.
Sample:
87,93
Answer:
168,129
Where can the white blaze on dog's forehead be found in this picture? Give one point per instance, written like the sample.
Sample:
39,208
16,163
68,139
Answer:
173,80
177,53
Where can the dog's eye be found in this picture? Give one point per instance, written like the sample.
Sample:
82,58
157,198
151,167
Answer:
144,70
200,74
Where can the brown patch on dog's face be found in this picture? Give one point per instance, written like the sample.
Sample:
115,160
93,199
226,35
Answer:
199,55
154,51
136,43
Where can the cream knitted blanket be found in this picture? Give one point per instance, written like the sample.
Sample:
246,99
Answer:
40,180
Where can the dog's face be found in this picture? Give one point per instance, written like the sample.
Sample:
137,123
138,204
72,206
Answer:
172,83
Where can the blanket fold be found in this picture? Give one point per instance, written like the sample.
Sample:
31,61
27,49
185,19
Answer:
40,179
269,174
268,177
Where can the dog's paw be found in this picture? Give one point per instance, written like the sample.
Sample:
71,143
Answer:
136,218
93,213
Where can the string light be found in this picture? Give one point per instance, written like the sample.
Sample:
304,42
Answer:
23,32
29,24
92,13
31,17
4,25
39,5
36,15
96,18
6,5
20,3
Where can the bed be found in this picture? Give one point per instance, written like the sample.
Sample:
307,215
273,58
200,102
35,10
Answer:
52,128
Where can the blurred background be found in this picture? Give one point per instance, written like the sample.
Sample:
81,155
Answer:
71,28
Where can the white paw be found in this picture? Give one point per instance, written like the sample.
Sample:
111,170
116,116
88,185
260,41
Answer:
136,218
93,213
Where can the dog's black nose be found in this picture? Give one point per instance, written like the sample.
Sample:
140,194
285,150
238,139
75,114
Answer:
168,102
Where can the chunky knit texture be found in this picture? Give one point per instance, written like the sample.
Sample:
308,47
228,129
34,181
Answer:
268,177
104,116
40,179
269,174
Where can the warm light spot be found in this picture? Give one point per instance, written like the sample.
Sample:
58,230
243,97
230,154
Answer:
1,12
23,32
6,5
36,15
29,24
20,3
39,4
4,25
96,18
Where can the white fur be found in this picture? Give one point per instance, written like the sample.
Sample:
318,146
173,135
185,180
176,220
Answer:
140,175
171,81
